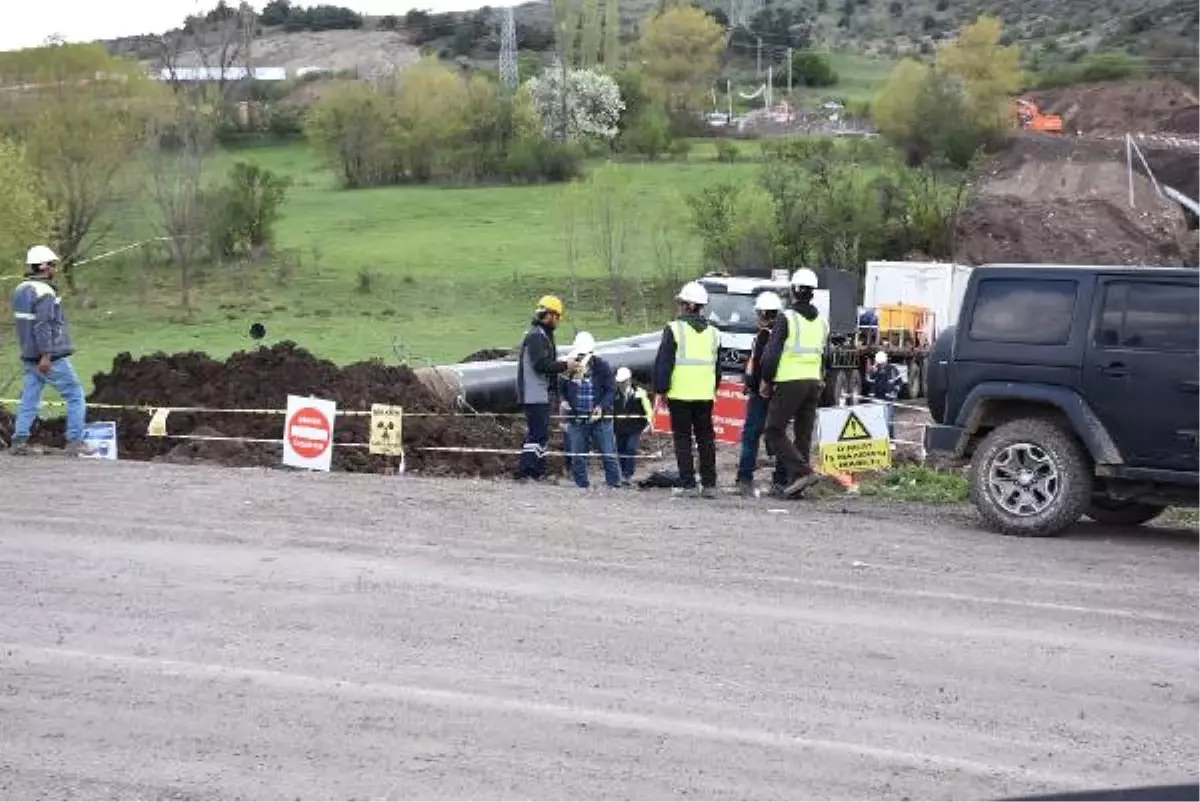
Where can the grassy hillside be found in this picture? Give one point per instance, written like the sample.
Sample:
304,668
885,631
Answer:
411,272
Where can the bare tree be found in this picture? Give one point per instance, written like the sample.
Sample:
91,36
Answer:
613,222
221,44
179,151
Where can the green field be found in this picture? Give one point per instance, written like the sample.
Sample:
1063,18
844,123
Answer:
412,273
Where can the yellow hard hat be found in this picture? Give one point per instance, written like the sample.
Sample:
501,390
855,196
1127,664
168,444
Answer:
552,303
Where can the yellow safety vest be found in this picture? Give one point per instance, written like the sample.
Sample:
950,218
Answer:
695,374
803,349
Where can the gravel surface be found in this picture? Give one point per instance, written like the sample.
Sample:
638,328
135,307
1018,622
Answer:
197,632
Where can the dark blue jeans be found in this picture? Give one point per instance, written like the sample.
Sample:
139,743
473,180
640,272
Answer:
583,437
752,432
537,439
627,449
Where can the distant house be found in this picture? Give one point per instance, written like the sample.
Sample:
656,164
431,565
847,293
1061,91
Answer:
203,74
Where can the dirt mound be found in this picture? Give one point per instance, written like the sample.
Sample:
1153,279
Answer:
488,354
262,379
1146,106
1062,200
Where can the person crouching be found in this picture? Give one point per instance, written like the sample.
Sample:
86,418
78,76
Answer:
633,413
587,393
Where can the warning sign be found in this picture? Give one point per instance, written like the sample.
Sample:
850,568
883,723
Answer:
853,429
729,413
854,439
386,430
308,433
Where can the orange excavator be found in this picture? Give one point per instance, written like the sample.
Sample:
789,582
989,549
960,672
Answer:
1030,118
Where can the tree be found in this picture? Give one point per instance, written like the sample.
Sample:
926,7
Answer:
612,34
275,13
809,69
353,125
894,107
222,47
86,121
25,215
590,34
431,103
681,48
243,212
593,103
612,217
989,71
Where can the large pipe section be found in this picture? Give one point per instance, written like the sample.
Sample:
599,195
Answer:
492,386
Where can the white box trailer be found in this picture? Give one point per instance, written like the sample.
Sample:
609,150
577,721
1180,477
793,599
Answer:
938,286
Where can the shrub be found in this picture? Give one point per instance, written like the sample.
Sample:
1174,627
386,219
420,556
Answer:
727,151
242,213
650,133
680,148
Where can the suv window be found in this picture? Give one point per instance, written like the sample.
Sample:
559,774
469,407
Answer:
1034,312
1141,315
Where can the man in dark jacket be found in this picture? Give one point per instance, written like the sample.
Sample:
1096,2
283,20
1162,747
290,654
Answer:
768,306
632,412
587,392
687,371
883,382
46,348
537,371
792,377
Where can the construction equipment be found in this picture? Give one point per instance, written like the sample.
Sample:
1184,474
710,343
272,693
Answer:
1031,118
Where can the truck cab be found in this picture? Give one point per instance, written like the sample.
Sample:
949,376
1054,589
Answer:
1073,391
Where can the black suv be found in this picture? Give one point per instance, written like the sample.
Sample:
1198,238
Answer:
1074,392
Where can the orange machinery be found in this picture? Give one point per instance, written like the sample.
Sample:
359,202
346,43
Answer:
1030,117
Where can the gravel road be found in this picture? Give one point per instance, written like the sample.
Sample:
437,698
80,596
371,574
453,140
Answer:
194,632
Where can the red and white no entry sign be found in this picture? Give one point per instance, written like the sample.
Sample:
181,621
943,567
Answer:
309,433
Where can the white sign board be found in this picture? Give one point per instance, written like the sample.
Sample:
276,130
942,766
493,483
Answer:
308,433
854,439
102,437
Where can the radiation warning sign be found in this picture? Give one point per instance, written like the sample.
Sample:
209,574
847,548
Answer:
386,430
854,439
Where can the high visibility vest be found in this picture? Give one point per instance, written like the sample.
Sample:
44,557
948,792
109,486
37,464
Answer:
695,374
803,349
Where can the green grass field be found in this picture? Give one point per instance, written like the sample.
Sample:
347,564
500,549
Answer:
409,273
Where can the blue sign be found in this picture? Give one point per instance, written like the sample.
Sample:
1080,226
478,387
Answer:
102,436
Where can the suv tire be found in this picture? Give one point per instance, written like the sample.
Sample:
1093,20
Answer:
1030,478
1122,513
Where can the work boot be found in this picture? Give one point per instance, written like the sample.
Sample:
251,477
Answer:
79,448
744,488
797,487
685,492
19,447
708,492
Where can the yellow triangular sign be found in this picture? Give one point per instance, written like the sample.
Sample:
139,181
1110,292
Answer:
853,429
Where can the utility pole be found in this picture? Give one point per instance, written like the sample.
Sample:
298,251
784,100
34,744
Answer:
729,100
789,72
770,91
758,68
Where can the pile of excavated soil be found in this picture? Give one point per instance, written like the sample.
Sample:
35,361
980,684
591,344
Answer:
1144,106
262,379
1063,200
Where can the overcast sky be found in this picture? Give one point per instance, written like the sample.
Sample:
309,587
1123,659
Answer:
27,23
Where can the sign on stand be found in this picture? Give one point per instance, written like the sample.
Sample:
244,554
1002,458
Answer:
729,413
854,439
387,436
308,433
101,436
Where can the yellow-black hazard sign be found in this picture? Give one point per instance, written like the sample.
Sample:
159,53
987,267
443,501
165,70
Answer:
854,439
853,429
387,436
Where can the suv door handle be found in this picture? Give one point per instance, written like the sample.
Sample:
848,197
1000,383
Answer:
1114,370
1190,387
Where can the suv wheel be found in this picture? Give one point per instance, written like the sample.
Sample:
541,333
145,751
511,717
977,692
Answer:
1030,478
1104,510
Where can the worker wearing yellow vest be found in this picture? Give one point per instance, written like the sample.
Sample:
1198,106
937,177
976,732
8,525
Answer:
792,377
687,372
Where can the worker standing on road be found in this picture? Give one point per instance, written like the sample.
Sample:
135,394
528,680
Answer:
633,413
46,348
687,371
883,384
792,372
587,391
537,373
768,305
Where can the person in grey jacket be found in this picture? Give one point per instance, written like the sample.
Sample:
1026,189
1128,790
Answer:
46,348
537,381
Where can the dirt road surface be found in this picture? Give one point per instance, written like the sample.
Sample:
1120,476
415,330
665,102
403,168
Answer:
189,632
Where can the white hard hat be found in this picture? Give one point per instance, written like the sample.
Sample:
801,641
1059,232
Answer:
584,343
624,374
40,255
767,302
880,358
804,278
693,293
